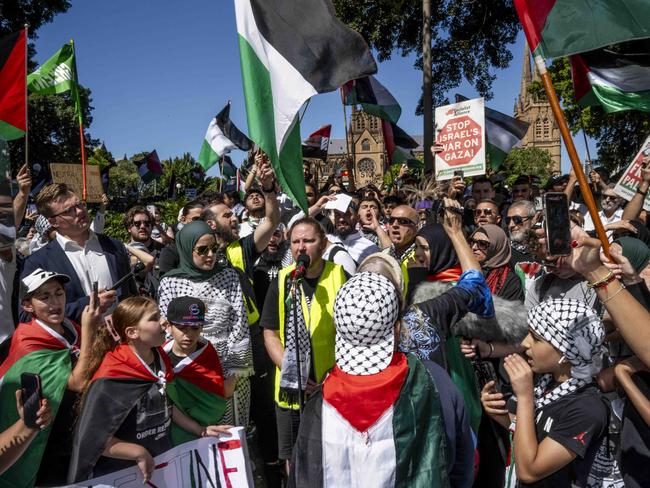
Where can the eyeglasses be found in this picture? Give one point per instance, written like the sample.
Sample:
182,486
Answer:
401,221
518,220
334,192
140,223
482,245
482,211
610,197
205,250
71,211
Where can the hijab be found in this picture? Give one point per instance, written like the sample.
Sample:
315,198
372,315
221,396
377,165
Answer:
499,252
443,255
635,250
185,241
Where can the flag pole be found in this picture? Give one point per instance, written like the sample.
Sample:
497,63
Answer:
84,191
221,175
26,100
584,135
571,149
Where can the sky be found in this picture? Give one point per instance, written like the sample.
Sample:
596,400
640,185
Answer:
159,70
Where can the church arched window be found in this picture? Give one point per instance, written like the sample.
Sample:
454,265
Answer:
547,128
373,123
359,122
538,129
365,145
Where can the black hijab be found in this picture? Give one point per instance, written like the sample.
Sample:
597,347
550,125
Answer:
443,255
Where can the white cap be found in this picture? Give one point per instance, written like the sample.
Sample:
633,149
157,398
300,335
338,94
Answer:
32,282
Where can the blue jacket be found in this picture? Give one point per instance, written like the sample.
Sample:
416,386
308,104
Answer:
53,258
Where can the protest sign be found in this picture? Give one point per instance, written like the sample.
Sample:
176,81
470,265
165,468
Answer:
209,461
70,174
629,182
461,133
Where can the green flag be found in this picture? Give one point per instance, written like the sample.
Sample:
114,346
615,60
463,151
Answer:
57,75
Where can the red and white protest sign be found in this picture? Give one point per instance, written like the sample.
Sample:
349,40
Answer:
461,134
629,182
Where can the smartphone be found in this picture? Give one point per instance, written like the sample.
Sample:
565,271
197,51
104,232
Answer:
30,385
459,172
557,224
95,292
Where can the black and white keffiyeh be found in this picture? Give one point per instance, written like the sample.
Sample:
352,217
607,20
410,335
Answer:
295,348
365,312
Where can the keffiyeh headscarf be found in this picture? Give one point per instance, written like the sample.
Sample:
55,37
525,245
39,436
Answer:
574,329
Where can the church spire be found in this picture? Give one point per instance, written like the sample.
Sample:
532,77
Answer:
526,74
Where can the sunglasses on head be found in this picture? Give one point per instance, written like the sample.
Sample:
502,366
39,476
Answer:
516,219
204,250
482,245
400,220
482,211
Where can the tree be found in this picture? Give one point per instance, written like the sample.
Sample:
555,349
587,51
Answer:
14,14
469,39
528,161
618,136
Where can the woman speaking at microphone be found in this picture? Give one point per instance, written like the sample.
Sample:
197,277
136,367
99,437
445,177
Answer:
299,333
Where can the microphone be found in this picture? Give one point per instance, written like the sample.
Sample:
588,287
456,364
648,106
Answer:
136,269
302,265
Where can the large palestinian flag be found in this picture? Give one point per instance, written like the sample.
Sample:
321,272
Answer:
317,144
617,80
121,380
399,145
35,348
385,429
197,389
373,97
222,137
13,117
502,133
557,28
289,52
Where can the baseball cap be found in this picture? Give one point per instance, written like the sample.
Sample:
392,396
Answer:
33,281
365,311
187,311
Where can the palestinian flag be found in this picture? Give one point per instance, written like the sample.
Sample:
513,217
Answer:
373,97
35,348
615,80
58,75
556,28
197,389
386,429
149,167
228,168
222,137
502,133
289,52
399,145
317,144
13,118
121,380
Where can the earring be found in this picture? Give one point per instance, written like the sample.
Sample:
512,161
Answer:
562,360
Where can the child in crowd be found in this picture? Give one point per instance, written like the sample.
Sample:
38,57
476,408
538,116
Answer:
126,415
58,350
198,389
559,422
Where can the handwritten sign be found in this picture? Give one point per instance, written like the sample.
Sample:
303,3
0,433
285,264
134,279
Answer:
70,174
629,182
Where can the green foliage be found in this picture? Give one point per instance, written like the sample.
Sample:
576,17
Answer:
16,13
528,161
469,38
618,136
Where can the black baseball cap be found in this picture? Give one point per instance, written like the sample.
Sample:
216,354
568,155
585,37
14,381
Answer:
186,311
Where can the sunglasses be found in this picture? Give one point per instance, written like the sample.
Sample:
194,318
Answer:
204,250
482,245
140,223
482,211
610,197
71,211
516,219
401,221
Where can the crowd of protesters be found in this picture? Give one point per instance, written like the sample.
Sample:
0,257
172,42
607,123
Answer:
418,335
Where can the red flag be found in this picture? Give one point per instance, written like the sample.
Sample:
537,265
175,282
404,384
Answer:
13,86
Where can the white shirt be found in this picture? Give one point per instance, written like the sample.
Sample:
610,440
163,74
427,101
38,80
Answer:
358,246
89,262
616,216
341,258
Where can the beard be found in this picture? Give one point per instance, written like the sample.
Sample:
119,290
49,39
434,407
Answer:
519,236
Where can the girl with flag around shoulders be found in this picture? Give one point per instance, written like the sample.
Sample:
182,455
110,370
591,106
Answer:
126,414
57,350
